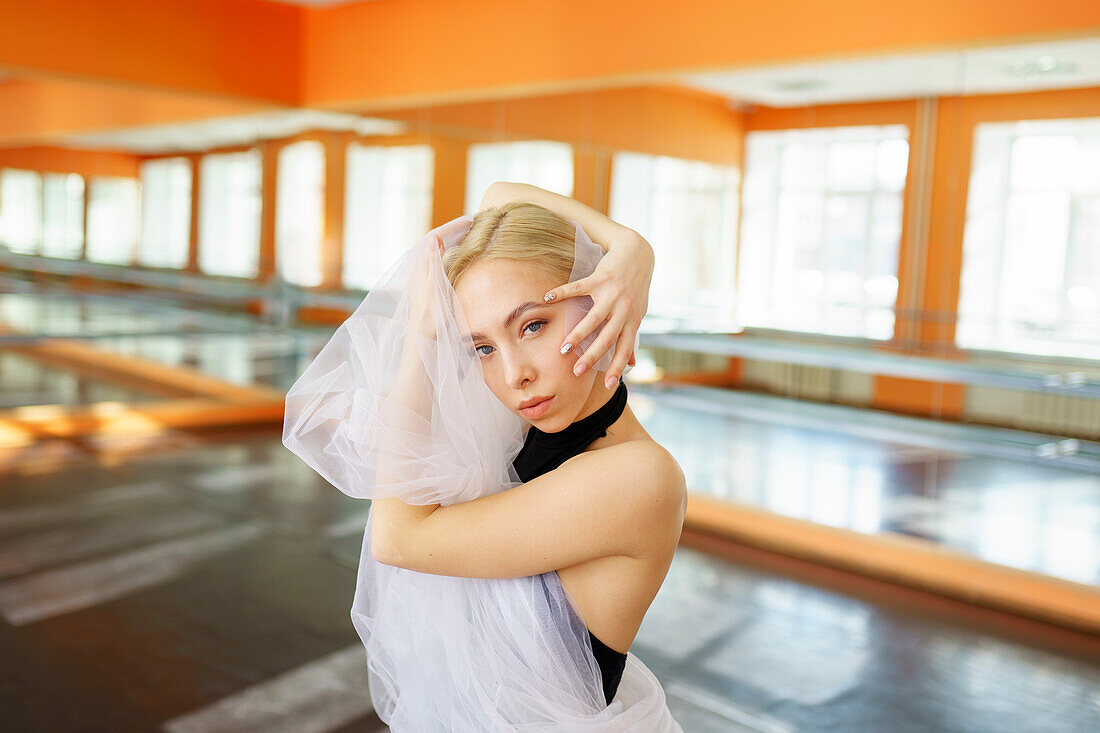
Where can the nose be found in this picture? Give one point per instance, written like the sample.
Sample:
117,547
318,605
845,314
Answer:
518,369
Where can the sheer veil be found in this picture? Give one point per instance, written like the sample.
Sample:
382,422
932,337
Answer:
450,654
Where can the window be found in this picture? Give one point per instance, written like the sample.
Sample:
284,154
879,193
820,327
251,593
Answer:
63,209
300,212
821,228
113,219
21,210
1031,248
166,212
541,163
687,210
229,217
388,207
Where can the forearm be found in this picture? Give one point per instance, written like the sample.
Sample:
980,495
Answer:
602,230
409,411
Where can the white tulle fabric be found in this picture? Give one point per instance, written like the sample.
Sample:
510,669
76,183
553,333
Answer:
450,654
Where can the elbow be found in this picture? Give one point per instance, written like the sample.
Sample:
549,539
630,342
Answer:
642,245
378,550
491,196
381,545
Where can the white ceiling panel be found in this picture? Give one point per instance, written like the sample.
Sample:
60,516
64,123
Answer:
1002,69
227,131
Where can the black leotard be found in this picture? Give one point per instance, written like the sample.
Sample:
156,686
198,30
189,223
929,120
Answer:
543,452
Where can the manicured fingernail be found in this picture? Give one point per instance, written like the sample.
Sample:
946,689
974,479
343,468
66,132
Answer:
610,380
567,348
579,368
549,297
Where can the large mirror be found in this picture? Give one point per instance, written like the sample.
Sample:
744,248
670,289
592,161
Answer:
872,345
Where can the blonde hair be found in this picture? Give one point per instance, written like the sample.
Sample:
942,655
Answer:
517,230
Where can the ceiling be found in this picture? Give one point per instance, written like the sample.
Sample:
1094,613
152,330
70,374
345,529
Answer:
1018,68
227,131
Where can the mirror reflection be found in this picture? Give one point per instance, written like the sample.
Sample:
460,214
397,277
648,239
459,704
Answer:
872,340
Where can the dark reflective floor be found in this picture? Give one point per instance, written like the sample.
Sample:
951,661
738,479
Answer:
209,589
1030,515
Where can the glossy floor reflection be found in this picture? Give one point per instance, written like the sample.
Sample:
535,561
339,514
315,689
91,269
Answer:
209,589
1042,518
235,347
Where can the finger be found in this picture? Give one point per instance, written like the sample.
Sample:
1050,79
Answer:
601,344
624,347
568,290
631,362
588,324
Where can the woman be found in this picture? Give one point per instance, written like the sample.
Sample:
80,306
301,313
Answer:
483,608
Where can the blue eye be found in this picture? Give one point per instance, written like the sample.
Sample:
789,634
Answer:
532,323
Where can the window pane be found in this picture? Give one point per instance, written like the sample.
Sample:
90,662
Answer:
821,229
852,165
388,207
300,212
63,209
891,164
687,210
1083,273
1031,247
1041,161
229,220
113,219
21,210
166,212
541,163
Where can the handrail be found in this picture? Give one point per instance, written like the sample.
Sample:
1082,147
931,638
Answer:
1075,383
284,300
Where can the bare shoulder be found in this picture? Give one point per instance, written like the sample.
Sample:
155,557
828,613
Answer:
644,479
634,455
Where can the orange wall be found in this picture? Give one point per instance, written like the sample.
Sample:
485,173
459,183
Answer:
36,111
230,49
662,120
424,52
384,54
87,163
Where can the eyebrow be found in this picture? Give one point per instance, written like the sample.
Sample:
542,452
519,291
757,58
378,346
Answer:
519,310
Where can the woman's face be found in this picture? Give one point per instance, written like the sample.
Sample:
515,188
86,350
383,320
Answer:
521,359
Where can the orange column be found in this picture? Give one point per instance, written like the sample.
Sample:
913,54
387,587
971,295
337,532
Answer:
269,181
332,232
196,196
929,298
592,178
449,182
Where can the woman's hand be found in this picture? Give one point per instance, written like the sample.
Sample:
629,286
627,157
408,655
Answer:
619,287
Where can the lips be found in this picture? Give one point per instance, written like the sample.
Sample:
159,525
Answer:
538,409
532,402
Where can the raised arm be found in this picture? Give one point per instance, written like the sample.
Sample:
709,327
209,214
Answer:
619,287
603,231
